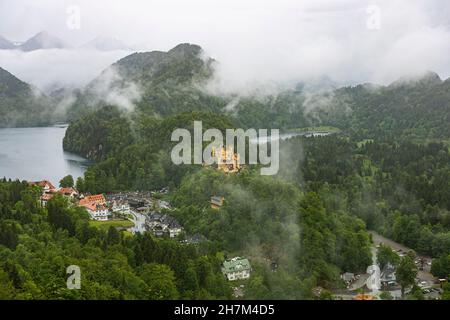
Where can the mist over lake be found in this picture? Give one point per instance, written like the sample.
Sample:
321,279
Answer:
36,154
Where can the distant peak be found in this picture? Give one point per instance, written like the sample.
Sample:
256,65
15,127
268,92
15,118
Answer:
431,75
43,40
427,78
186,48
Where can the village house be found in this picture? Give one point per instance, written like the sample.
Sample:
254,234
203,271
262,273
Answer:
96,206
45,198
236,268
217,202
121,206
97,198
47,186
162,225
48,189
68,192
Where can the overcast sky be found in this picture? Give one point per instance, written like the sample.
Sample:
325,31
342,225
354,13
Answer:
256,41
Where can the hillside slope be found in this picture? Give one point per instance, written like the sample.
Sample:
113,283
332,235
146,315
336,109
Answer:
22,105
156,82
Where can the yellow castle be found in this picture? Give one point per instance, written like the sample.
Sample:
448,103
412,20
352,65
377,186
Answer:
227,160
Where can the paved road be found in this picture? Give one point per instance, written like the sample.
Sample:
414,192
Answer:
139,222
424,275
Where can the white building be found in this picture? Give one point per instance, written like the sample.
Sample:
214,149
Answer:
120,206
236,268
96,206
99,212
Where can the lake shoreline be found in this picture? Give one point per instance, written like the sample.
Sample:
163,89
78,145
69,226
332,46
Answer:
36,153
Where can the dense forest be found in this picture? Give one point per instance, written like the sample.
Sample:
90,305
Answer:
37,245
399,189
311,245
385,168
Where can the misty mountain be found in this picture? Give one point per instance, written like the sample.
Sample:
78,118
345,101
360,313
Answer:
414,108
155,82
180,65
43,40
425,79
105,44
165,83
6,44
22,105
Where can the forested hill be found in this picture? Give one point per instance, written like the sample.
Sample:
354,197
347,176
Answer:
22,105
132,153
417,108
156,82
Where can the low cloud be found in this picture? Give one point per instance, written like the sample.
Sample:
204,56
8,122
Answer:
111,88
259,44
56,68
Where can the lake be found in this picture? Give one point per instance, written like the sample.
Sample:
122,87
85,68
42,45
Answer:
36,154
285,136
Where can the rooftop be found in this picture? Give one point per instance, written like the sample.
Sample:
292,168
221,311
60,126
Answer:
217,200
236,264
98,198
43,184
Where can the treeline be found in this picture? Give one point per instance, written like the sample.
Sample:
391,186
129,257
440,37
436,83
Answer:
38,244
410,109
399,189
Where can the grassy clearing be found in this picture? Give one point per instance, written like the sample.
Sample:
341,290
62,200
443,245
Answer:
104,225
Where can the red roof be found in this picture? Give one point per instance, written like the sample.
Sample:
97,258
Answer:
67,190
43,184
93,206
46,197
98,199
